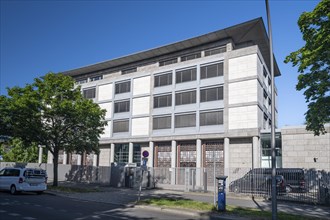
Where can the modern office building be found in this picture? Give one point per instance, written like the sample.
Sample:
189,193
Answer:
188,103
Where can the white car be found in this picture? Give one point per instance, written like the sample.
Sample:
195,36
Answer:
23,179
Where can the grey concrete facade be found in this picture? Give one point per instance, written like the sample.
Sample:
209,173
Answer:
300,148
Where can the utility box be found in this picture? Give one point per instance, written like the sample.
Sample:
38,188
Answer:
221,180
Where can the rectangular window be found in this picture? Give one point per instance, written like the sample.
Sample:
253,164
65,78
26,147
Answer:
122,106
188,120
121,153
264,72
161,122
89,93
168,62
123,87
127,71
211,118
120,126
213,70
191,56
185,98
163,80
215,51
81,81
185,75
95,78
211,94
163,101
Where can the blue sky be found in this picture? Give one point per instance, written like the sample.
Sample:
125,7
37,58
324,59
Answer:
42,36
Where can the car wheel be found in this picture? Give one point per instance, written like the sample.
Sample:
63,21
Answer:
237,189
288,189
13,190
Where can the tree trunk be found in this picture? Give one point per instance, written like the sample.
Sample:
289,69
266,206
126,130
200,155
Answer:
55,171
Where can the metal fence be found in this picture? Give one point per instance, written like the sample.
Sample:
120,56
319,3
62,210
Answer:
311,186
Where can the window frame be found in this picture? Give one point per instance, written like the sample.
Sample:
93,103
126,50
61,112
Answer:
181,100
158,79
219,94
158,102
115,128
93,95
203,121
119,87
205,74
180,74
158,123
188,123
118,106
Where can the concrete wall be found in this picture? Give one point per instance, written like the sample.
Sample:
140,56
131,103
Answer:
300,148
74,173
240,153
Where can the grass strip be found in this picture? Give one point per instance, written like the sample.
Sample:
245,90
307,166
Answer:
230,210
72,189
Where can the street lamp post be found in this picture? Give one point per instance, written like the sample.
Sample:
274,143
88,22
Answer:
274,199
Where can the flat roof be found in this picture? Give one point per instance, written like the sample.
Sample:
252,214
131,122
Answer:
250,31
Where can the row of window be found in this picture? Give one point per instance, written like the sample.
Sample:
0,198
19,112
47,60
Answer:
187,75
180,121
183,98
181,76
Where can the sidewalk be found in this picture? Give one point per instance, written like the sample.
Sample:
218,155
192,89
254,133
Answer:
128,197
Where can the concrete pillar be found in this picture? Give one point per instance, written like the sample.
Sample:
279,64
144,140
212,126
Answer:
226,157
151,154
95,160
50,157
173,163
199,167
40,154
112,153
130,153
65,157
79,159
256,152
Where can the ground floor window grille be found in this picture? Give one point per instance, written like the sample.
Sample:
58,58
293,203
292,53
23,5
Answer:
121,153
163,155
187,154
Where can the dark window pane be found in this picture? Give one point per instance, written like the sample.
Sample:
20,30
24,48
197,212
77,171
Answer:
168,62
120,126
122,106
185,98
162,122
215,51
213,70
211,94
89,93
123,87
185,120
211,118
163,80
190,56
185,75
162,101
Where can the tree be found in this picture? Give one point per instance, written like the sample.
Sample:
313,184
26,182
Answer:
313,61
53,113
14,151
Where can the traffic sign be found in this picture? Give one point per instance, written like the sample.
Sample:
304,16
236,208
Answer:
145,153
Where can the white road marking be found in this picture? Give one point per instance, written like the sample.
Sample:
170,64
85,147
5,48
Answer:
14,214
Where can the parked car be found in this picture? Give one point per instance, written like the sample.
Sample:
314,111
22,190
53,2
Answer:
294,177
257,181
23,179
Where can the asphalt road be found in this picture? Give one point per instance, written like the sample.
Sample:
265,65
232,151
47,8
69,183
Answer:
29,206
